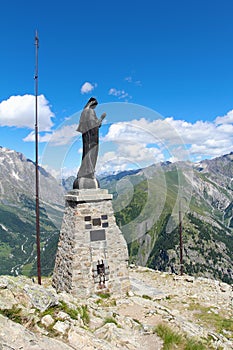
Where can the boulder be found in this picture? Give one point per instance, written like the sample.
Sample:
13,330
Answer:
15,336
61,327
47,321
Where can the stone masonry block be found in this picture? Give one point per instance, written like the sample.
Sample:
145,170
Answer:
88,262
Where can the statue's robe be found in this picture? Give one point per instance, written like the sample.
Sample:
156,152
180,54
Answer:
89,127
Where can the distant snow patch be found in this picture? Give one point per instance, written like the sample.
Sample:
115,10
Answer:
4,227
15,175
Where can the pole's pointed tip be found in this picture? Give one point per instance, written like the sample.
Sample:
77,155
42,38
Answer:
36,35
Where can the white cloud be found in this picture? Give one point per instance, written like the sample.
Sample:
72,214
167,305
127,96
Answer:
141,142
111,162
133,148
59,137
30,137
64,135
140,153
87,87
179,138
142,130
206,139
119,93
226,119
132,156
19,111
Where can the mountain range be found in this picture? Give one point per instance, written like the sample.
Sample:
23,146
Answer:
153,206
17,215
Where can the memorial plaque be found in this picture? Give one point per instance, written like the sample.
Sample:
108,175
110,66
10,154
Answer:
88,226
105,224
97,235
96,222
104,217
87,218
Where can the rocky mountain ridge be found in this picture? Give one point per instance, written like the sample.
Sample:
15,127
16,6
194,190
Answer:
17,214
146,204
203,194
18,177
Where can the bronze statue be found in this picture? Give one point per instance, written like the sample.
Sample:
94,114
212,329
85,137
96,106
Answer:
89,126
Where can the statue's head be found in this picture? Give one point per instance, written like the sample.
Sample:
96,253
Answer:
92,103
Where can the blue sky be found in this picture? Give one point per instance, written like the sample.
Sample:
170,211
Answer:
174,58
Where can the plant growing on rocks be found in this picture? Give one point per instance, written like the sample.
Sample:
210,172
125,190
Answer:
74,313
111,320
216,320
106,302
173,340
14,314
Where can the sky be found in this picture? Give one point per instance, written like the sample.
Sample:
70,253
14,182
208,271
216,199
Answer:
161,70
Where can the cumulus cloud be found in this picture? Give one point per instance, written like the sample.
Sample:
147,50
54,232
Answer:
31,137
110,162
119,93
178,138
19,111
226,119
87,87
135,147
132,156
59,137
206,139
114,162
141,142
143,131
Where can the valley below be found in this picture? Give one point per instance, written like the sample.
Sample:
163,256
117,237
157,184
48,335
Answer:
148,205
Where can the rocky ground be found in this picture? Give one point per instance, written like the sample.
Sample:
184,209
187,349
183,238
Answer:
199,310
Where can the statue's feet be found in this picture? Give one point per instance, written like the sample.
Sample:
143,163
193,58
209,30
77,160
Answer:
85,183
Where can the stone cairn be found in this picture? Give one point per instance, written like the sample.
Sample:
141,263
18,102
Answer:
92,253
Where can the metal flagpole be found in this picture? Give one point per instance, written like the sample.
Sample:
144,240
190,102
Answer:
37,167
181,239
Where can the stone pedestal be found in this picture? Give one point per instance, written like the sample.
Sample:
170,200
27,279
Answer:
92,254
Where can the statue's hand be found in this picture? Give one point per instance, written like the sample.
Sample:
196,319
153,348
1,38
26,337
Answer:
103,116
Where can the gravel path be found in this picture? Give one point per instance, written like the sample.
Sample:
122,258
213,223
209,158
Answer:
140,288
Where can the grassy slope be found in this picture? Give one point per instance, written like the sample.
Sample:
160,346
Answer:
18,238
208,243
